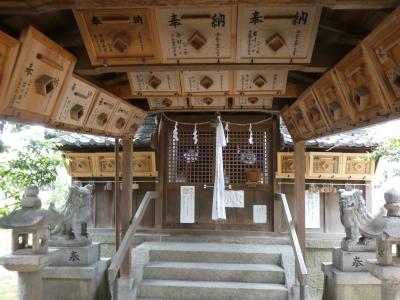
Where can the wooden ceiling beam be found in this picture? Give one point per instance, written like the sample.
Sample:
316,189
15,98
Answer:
40,6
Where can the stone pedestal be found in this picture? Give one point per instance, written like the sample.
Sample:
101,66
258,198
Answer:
390,277
357,285
77,273
350,261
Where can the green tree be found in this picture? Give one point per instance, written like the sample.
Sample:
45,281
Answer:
35,163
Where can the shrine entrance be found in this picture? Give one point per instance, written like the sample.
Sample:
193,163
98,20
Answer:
190,168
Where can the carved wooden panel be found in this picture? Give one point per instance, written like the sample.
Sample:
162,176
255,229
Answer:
358,166
286,166
334,104
206,82
383,46
301,120
119,36
119,119
81,164
260,82
155,83
74,104
198,34
103,108
325,165
289,120
137,118
8,55
165,103
40,72
314,115
143,164
360,86
276,34
208,102
253,101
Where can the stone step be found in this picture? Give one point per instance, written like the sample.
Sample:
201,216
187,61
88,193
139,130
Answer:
194,290
216,253
175,270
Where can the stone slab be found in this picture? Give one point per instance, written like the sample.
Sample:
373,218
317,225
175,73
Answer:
76,282
28,262
341,285
389,273
351,261
77,256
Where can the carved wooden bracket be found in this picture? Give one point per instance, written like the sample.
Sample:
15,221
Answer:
197,40
121,42
259,81
206,82
101,119
275,42
44,85
154,82
76,112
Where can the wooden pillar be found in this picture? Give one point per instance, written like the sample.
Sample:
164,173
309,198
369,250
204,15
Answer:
299,186
161,164
126,198
117,223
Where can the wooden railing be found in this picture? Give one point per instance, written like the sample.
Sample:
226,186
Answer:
126,244
301,270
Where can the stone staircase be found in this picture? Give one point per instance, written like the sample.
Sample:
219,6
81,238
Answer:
176,270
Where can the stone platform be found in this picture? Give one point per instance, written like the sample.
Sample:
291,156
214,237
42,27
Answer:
357,285
351,261
77,256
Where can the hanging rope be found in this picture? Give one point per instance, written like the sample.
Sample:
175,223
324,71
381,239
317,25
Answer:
227,132
250,135
195,137
175,133
207,122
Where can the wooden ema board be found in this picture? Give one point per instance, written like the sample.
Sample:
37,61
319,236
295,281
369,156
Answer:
339,113
137,118
198,34
166,103
325,165
119,36
101,113
254,101
358,166
343,166
276,34
286,167
206,82
300,119
154,83
143,163
8,54
383,47
271,82
208,102
81,164
315,116
119,120
74,104
40,72
360,86
288,119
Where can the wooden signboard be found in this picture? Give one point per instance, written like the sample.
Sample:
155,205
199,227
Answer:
208,102
81,164
154,83
8,54
74,104
206,82
325,165
166,103
40,72
198,34
286,165
101,113
313,113
358,166
339,113
143,163
271,82
360,86
119,36
254,101
120,119
137,118
288,119
301,120
383,47
274,34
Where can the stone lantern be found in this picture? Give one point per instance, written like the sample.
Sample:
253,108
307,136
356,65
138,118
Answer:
386,231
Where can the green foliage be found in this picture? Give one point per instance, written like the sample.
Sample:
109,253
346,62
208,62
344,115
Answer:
388,149
35,163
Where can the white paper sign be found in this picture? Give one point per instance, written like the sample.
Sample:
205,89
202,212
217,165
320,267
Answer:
187,204
260,214
312,203
234,198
